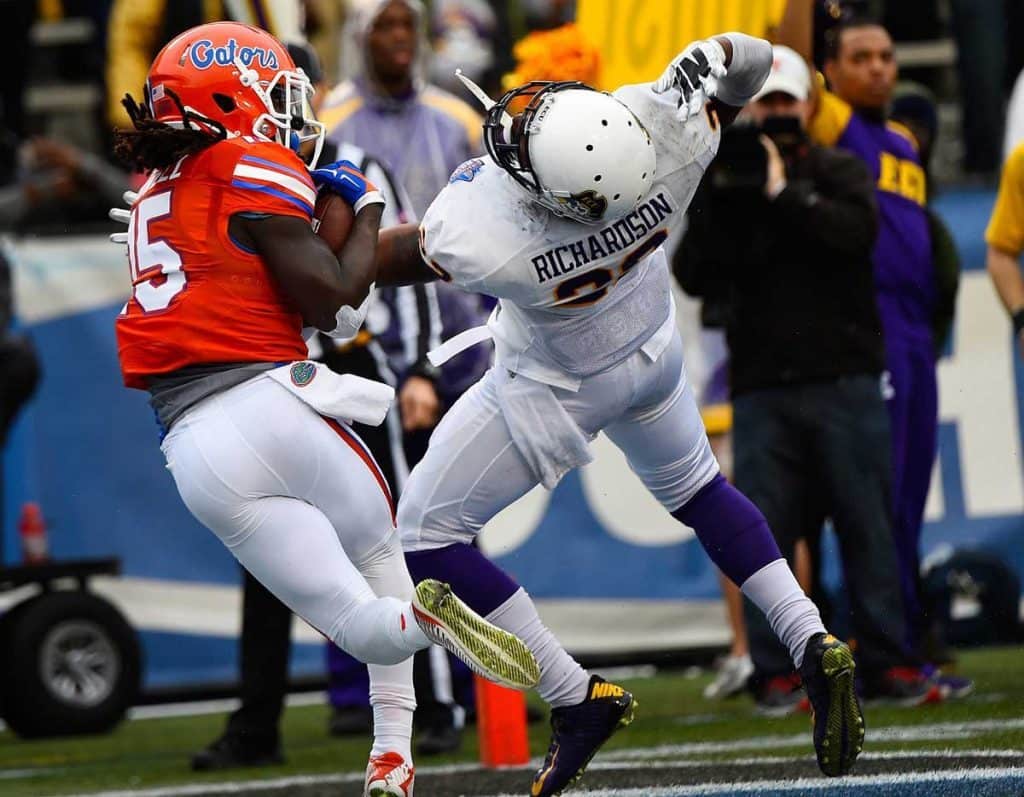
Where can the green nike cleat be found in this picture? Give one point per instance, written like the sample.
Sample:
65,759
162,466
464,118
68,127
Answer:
486,649
827,673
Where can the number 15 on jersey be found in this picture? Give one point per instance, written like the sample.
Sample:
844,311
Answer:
156,269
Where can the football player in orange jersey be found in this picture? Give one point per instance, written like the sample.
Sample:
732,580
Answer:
225,272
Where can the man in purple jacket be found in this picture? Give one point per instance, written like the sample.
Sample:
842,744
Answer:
861,69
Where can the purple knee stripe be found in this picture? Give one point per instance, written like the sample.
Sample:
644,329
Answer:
732,530
473,577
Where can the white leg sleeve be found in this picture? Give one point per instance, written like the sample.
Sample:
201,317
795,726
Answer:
391,689
792,615
563,682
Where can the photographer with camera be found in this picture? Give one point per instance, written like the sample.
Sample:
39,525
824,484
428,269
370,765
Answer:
779,247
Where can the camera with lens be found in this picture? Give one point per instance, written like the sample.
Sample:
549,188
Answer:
741,168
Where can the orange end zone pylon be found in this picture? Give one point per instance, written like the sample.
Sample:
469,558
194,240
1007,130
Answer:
501,725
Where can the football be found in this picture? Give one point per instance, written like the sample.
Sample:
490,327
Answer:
332,219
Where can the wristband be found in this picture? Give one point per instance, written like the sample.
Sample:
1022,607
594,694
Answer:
369,198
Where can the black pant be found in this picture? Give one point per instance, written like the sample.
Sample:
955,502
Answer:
266,622
265,644
809,452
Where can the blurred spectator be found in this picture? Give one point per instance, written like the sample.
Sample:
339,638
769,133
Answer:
810,426
463,38
861,71
827,15
914,107
49,186
385,106
138,29
1005,239
19,365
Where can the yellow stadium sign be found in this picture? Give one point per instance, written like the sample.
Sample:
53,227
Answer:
638,38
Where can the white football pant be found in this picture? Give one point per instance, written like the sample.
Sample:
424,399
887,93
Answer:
473,470
302,505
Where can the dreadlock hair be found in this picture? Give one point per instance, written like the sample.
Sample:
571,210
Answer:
157,145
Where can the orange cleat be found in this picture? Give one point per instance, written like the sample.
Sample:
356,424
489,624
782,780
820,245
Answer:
389,776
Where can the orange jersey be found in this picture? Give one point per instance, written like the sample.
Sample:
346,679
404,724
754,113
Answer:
199,297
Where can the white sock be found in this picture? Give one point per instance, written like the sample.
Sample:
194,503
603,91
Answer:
393,702
792,615
562,681
391,690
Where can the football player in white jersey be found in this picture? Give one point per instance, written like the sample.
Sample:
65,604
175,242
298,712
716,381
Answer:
563,222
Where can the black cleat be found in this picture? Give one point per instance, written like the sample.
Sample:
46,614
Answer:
231,751
577,733
827,673
438,739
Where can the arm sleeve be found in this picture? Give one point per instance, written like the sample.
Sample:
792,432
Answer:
947,265
837,209
1006,228
132,41
265,178
831,118
751,63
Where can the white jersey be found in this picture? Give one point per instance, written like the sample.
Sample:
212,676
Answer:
575,299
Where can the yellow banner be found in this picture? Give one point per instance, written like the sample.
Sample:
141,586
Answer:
639,37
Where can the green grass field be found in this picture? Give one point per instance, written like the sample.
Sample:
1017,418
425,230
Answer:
154,752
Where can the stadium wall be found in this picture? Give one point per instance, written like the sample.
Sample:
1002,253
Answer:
611,570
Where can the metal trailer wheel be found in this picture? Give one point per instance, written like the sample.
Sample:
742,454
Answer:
72,665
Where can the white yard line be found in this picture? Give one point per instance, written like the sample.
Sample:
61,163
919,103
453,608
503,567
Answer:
804,785
35,772
196,708
644,758
891,733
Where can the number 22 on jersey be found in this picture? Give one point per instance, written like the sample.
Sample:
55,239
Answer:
573,292
156,269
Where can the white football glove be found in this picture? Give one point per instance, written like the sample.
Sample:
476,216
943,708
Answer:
123,215
694,73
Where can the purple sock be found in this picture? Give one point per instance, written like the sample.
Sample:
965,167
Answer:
732,530
473,577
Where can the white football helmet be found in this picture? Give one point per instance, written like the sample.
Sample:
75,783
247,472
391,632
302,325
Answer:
582,154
